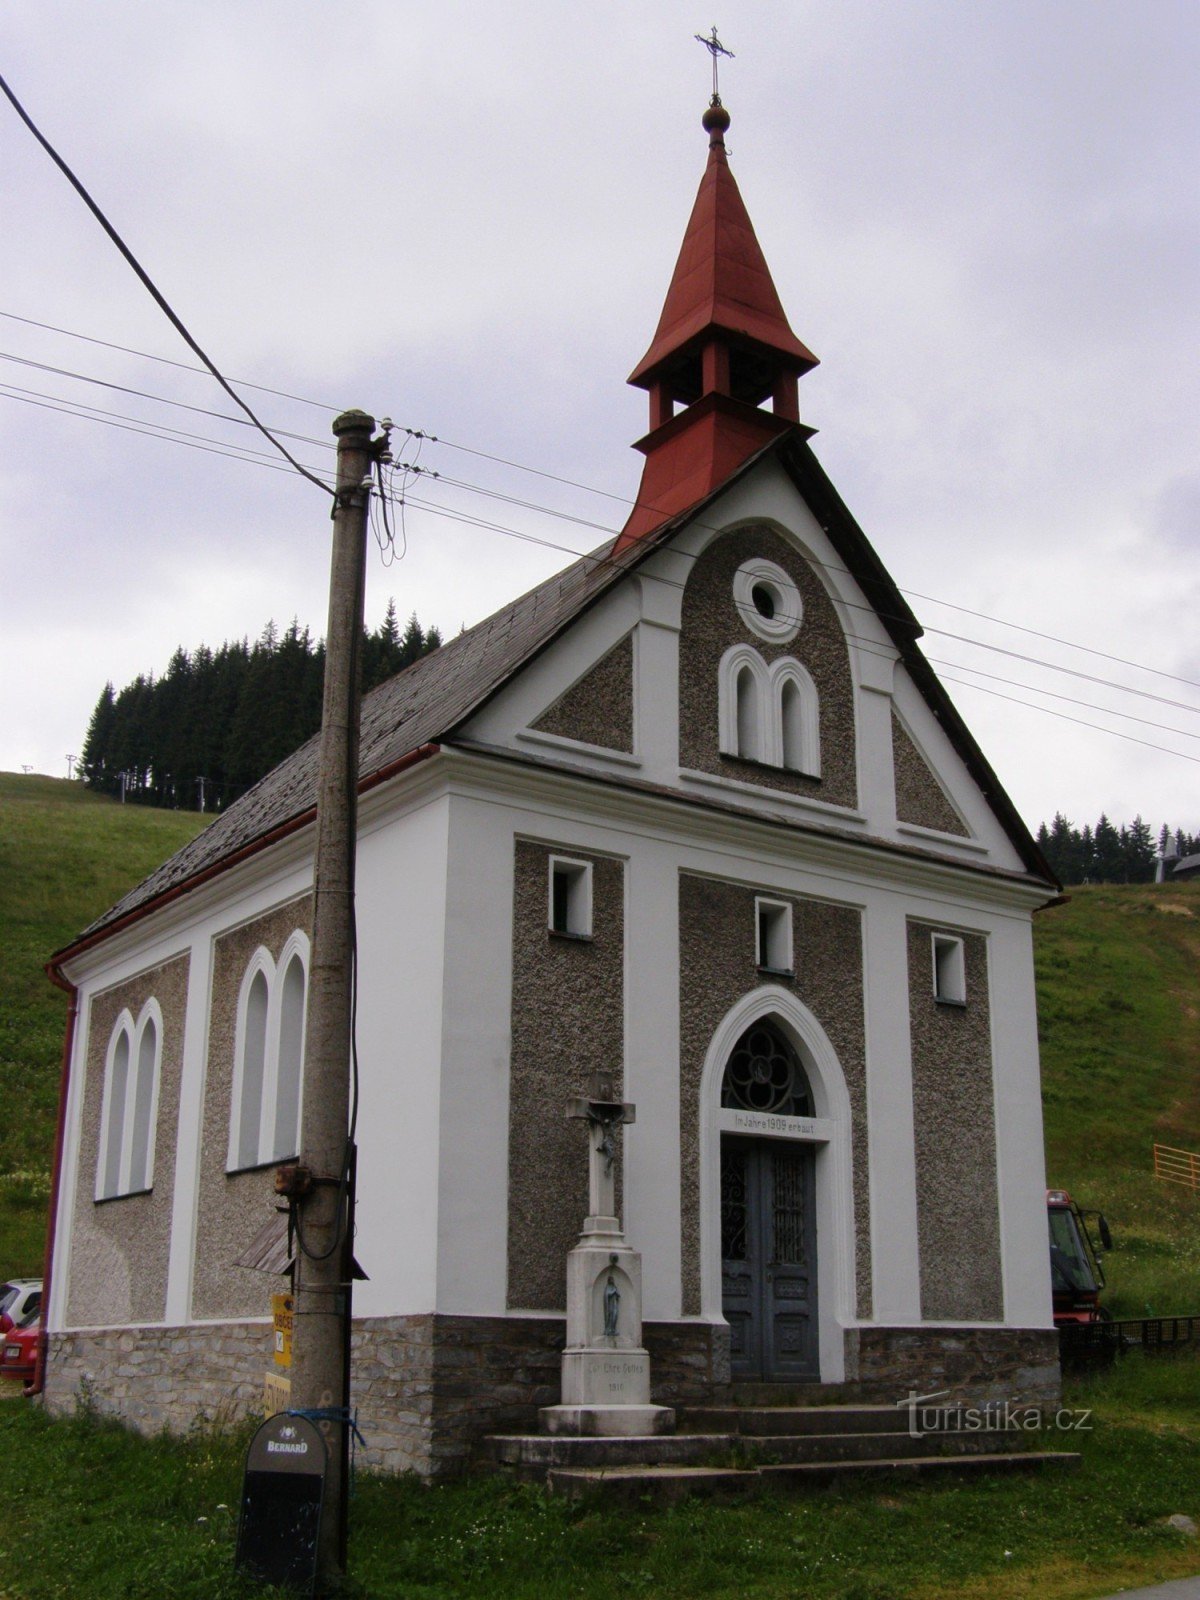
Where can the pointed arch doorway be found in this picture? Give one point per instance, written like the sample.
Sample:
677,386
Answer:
768,1210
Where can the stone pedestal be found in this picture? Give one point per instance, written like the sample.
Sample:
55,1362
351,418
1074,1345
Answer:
605,1370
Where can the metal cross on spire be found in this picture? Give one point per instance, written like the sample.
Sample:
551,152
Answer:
715,48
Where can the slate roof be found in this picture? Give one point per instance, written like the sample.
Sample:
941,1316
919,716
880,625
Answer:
414,708
427,701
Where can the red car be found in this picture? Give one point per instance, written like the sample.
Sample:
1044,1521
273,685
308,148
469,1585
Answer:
18,1355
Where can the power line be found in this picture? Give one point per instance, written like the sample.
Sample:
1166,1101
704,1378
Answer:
1090,705
979,644
159,399
517,466
261,459
237,452
148,284
1064,716
256,458
165,361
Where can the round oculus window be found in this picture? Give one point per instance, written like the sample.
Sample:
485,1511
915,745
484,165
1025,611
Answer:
767,600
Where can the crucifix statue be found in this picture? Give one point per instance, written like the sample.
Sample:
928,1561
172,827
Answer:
604,1112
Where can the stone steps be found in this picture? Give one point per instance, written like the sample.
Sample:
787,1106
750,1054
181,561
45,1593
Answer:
667,1484
792,1419
531,1455
726,1449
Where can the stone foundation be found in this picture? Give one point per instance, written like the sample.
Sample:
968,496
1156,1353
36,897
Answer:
156,1378
973,1363
428,1388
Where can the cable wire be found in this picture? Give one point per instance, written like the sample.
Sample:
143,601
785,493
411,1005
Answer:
422,435
165,361
386,540
149,285
1064,716
159,399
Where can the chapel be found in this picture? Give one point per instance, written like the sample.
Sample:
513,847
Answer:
695,818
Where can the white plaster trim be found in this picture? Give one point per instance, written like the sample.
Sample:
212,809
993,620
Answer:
133,1033
771,797
133,1327
274,974
785,624
494,777
952,841
581,875
891,1148
558,741
188,1131
773,1125
836,1247
737,659
768,734
787,671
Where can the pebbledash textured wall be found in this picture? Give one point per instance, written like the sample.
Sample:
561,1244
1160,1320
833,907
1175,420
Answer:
958,1208
717,937
568,1010
599,708
711,624
920,798
120,1247
231,1208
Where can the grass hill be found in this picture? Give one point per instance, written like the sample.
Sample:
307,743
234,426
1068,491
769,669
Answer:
1118,999
65,856
1118,970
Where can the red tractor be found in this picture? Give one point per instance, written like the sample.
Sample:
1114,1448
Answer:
1076,1276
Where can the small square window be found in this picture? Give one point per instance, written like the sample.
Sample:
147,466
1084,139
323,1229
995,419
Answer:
571,898
773,945
949,971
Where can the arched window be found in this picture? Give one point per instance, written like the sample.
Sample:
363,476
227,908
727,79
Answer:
269,1057
129,1108
764,1073
797,720
749,716
291,1060
768,714
743,693
253,1058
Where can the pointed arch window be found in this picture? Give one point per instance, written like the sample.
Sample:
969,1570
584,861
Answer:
768,714
129,1108
269,1057
798,724
765,1074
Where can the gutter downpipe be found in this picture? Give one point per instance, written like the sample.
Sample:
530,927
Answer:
60,1132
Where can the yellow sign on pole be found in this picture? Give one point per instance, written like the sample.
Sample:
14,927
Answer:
277,1394
282,1306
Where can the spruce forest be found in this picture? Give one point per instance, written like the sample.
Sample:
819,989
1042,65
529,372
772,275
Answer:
1107,854
218,721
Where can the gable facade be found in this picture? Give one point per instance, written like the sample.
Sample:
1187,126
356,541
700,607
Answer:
479,1018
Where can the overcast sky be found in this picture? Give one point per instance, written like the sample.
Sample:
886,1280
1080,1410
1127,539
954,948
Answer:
982,215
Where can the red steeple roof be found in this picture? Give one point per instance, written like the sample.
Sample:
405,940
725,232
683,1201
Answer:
723,345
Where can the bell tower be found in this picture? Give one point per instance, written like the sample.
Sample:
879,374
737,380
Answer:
722,348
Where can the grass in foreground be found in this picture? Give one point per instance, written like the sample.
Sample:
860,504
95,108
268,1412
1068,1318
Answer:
66,855
86,1508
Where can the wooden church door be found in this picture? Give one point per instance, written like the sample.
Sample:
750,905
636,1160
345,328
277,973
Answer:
769,1258
769,1214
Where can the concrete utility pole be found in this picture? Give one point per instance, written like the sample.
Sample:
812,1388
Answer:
322,1188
